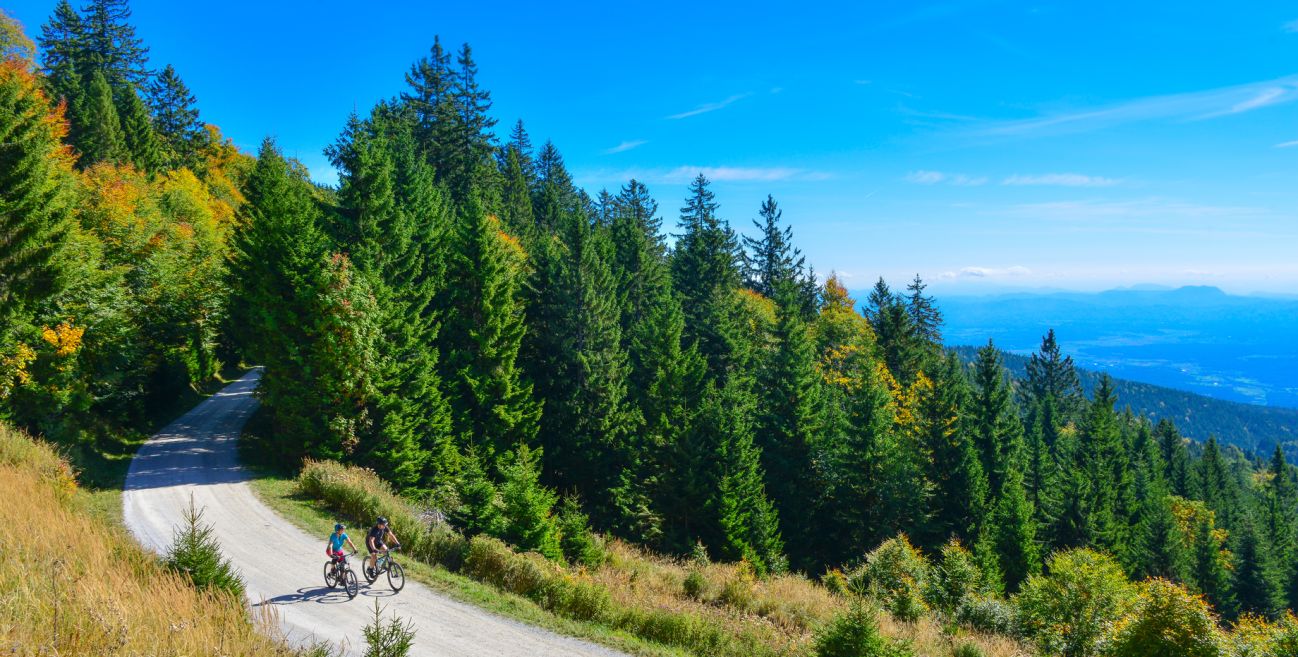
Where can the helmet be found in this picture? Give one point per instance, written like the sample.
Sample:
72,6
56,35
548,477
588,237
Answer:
339,526
382,520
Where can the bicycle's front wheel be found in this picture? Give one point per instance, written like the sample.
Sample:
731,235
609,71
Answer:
329,575
396,576
353,586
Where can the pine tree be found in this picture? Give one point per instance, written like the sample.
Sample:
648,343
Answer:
36,212
996,427
705,269
175,118
1103,463
137,133
472,141
1157,548
62,43
1041,470
492,405
581,376
898,340
1012,531
745,525
1259,585
479,509
554,197
1176,459
791,424
394,223
924,312
100,137
430,81
1053,375
516,195
528,507
1211,577
1215,485
1280,516
776,268
111,45
961,495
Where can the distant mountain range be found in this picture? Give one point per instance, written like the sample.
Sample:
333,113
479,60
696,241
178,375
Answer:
1249,426
1198,339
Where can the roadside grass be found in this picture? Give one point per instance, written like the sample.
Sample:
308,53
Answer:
282,494
690,607
72,583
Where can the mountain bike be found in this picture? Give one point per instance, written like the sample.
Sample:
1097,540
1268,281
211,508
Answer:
386,564
339,573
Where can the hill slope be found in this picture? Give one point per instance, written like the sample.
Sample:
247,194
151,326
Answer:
1251,427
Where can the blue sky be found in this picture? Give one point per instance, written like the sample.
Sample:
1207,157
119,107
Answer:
984,145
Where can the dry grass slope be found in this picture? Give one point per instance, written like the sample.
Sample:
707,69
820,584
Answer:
70,584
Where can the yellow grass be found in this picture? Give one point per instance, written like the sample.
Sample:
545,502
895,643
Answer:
70,584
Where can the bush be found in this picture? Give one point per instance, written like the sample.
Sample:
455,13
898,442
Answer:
695,585
835,582
196,554
856,634
390,639
527,506
1070,610
1168,622
968,650
954,579
986,614
737,590
895,574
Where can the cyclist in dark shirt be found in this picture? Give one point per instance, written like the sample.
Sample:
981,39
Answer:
376,542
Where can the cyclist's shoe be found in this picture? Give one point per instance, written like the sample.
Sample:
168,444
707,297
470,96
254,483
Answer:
371,573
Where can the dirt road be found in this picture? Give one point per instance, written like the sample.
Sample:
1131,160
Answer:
196,455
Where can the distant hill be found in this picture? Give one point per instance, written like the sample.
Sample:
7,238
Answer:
1249,426
1199,339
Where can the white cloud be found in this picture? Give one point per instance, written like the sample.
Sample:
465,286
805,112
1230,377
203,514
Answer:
1191,106
710,107
626,146
1060,180
1287,144
924,177
985,272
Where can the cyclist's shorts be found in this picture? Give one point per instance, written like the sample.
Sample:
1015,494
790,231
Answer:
336,554
382,548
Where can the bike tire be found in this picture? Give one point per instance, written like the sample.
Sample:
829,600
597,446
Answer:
329,578
396,576
353,585
365,571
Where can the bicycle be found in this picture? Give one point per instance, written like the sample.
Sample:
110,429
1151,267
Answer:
339,572
386,564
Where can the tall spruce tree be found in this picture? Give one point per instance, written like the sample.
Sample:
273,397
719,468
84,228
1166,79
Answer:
394,222
898,341
111,46
924,312
492,405
36,198
1176,458
705,270
1259,585
175,118
1211,577
960,490
997,430
100,137
1052,374
1012,533
137,132
63,48
791,424
774,267
1280,515
472,143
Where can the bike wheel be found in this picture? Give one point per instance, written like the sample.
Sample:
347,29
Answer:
329,576
396,576
370,574
353,586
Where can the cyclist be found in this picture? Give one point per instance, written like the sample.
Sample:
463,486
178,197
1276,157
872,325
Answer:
334,544
376,542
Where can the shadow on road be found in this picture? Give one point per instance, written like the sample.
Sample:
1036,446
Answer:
318,595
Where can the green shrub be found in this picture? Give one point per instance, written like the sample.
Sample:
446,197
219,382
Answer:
987,614
1168,622
895,574
1070,610
835,582
580,545
196,553
954,579
695,585
856,634
387,639
968,650
527,506
737,591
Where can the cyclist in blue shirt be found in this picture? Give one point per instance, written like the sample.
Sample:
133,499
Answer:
334,546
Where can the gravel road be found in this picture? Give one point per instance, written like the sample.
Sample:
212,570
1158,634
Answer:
196,455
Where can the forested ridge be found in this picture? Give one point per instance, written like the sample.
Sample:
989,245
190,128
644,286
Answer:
459,316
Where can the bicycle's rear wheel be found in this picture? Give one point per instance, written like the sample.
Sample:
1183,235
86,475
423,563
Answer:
353,586
396,576
370,574
329,576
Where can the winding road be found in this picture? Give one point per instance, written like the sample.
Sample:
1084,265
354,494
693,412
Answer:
281,565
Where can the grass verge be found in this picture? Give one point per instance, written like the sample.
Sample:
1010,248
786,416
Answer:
282,495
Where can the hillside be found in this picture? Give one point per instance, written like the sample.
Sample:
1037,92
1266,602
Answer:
1249,426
